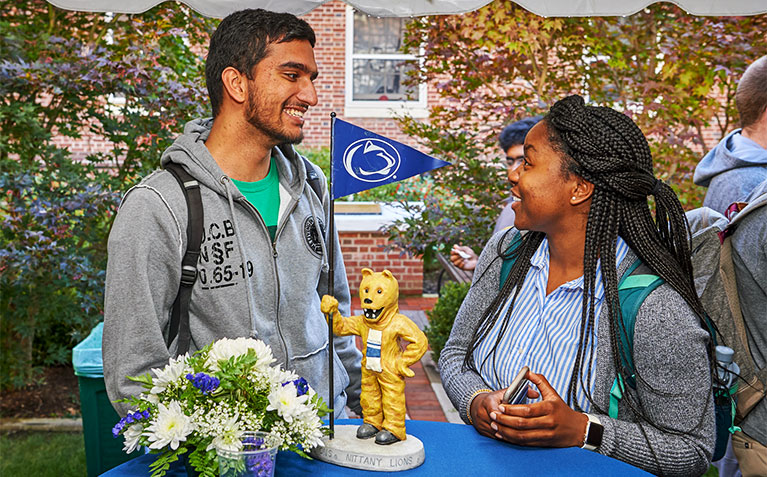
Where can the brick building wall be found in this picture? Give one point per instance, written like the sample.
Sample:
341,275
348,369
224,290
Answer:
329,24
364,250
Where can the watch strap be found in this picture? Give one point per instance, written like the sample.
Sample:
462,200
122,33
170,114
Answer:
594,431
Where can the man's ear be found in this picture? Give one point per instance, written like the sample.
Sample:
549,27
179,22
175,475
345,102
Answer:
582,191
235,85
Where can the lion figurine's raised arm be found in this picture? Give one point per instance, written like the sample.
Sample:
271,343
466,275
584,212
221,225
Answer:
384,363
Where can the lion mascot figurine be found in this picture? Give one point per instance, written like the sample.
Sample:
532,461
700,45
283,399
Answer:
384,363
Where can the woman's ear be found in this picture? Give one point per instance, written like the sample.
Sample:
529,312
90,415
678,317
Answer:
235,85
582,191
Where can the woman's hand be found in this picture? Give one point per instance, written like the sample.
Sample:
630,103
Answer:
481,407
547,423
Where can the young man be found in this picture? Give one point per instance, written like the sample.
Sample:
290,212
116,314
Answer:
738,163
264,252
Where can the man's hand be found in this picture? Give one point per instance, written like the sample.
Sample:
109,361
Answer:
547,423
329,304
463,257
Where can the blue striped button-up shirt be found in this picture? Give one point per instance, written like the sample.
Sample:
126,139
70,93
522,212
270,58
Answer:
543,331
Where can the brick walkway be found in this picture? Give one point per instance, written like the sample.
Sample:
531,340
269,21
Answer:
421,399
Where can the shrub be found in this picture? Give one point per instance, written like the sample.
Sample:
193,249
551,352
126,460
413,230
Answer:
442,316
129,80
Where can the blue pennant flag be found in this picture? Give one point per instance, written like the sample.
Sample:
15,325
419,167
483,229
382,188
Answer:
363,160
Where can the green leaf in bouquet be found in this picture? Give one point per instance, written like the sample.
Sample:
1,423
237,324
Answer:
145,379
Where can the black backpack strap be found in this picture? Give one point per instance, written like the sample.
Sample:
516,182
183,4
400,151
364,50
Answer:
312,178
179,320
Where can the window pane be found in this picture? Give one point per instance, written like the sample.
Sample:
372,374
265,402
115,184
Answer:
377,35
381,80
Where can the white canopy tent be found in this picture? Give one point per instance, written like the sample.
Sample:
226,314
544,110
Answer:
401,8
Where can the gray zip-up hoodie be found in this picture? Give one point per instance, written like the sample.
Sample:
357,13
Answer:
731,171
247,285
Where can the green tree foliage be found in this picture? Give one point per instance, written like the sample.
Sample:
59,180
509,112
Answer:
131,80
674,73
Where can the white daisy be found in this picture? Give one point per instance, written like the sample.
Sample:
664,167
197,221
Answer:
286,401
132,435
170,428
228,438
176,368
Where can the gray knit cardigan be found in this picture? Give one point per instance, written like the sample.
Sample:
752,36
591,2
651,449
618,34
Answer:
669,353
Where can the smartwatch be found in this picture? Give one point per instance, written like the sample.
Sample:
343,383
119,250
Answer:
594,431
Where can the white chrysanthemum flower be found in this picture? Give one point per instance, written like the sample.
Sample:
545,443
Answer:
279,375
286,401
228,437
175,368
170,427
226,348
132,435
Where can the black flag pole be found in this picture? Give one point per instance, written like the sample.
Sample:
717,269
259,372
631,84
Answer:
331,248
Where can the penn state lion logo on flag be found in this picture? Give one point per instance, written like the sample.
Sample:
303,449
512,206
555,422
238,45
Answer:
363,160
371,160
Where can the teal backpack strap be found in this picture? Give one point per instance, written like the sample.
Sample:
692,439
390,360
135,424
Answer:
633,288
508,262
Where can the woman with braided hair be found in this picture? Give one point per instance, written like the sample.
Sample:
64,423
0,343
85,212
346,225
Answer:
581,195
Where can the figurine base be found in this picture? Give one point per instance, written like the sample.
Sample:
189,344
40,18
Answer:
348,451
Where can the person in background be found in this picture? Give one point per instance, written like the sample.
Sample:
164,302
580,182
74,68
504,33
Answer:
582,196
512,142
749,256
264,256
739,162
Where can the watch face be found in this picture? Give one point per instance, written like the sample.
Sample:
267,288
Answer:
594,436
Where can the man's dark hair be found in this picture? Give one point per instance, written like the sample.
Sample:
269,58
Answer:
751,95
606,148
242,40
515,132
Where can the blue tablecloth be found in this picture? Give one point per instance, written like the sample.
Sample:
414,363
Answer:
451,449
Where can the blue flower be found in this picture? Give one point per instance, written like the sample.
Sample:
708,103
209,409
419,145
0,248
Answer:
206,384
130,418
301,386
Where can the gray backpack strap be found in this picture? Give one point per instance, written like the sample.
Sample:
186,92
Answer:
312,178
179,320
754,389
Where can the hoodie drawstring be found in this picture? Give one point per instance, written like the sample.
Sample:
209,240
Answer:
251,300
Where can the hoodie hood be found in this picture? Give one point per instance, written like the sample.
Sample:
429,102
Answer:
732,152
190,151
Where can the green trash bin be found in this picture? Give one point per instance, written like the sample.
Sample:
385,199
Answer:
102,450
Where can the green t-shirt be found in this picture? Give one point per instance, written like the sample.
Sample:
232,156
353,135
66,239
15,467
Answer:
265,197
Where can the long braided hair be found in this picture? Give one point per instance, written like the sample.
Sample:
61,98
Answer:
607,149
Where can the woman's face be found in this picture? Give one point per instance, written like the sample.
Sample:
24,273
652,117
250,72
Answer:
541,193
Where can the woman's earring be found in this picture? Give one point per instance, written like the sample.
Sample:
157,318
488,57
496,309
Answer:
574,198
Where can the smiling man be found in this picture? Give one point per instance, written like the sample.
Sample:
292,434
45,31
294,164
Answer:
263,255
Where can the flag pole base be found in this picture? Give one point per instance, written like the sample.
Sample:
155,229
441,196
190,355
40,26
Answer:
346,450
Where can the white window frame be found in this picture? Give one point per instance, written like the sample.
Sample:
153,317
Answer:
376,109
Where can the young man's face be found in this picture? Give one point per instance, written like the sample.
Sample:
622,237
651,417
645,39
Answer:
515,155
281,91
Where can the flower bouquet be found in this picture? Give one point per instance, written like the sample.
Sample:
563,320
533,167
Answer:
207,401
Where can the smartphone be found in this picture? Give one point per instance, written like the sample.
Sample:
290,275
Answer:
517,390
462,254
